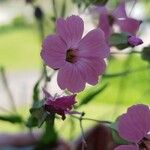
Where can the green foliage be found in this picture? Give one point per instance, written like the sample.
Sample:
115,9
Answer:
90,95
117,139
50,135
32,122
11,118
36,91
38,112
86,3
19,21
146,53
119,40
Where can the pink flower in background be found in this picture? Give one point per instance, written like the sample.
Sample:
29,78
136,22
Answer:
134,126
119,17
60,105
79,61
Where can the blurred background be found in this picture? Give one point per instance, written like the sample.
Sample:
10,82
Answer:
20,62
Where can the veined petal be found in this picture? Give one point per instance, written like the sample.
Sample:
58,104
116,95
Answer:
69,77
135,124
65,102
129,25
54,51
120,11
91,69
93,45
70,30
127,147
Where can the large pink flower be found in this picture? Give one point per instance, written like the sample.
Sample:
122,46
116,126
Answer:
119,17
59,105
79,61
134,126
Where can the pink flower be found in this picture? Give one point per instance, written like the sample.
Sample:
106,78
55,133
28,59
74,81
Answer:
60,105
79,61
134,126
119,17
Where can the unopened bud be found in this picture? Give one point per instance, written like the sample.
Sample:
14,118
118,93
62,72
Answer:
38,13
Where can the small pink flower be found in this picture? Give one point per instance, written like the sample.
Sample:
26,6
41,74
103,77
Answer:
119,17
60,105
79,61
134,126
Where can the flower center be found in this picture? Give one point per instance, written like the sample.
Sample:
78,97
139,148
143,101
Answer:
70,56
144,144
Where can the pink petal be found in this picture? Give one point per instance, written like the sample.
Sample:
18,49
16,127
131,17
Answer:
70,78
91,69
104,25
127,147
94,45
70,30
135,124
65,102
120,11
129,25
54,51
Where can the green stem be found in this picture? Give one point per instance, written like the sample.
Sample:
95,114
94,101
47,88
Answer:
49,138
54,9
50,135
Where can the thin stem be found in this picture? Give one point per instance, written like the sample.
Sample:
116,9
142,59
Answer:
54,9
90,119
84,144
134,3
6,85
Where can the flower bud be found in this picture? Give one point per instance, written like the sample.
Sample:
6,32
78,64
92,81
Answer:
38,13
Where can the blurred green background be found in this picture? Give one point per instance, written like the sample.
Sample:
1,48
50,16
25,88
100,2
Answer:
20,46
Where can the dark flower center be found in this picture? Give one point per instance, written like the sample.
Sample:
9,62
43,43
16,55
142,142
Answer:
70,56
144,144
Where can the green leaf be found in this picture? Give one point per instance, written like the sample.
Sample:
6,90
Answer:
36,92
32,122
38,112
50,134
100,2
63,9
119,40
92,94
11,118
117,139
146,53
